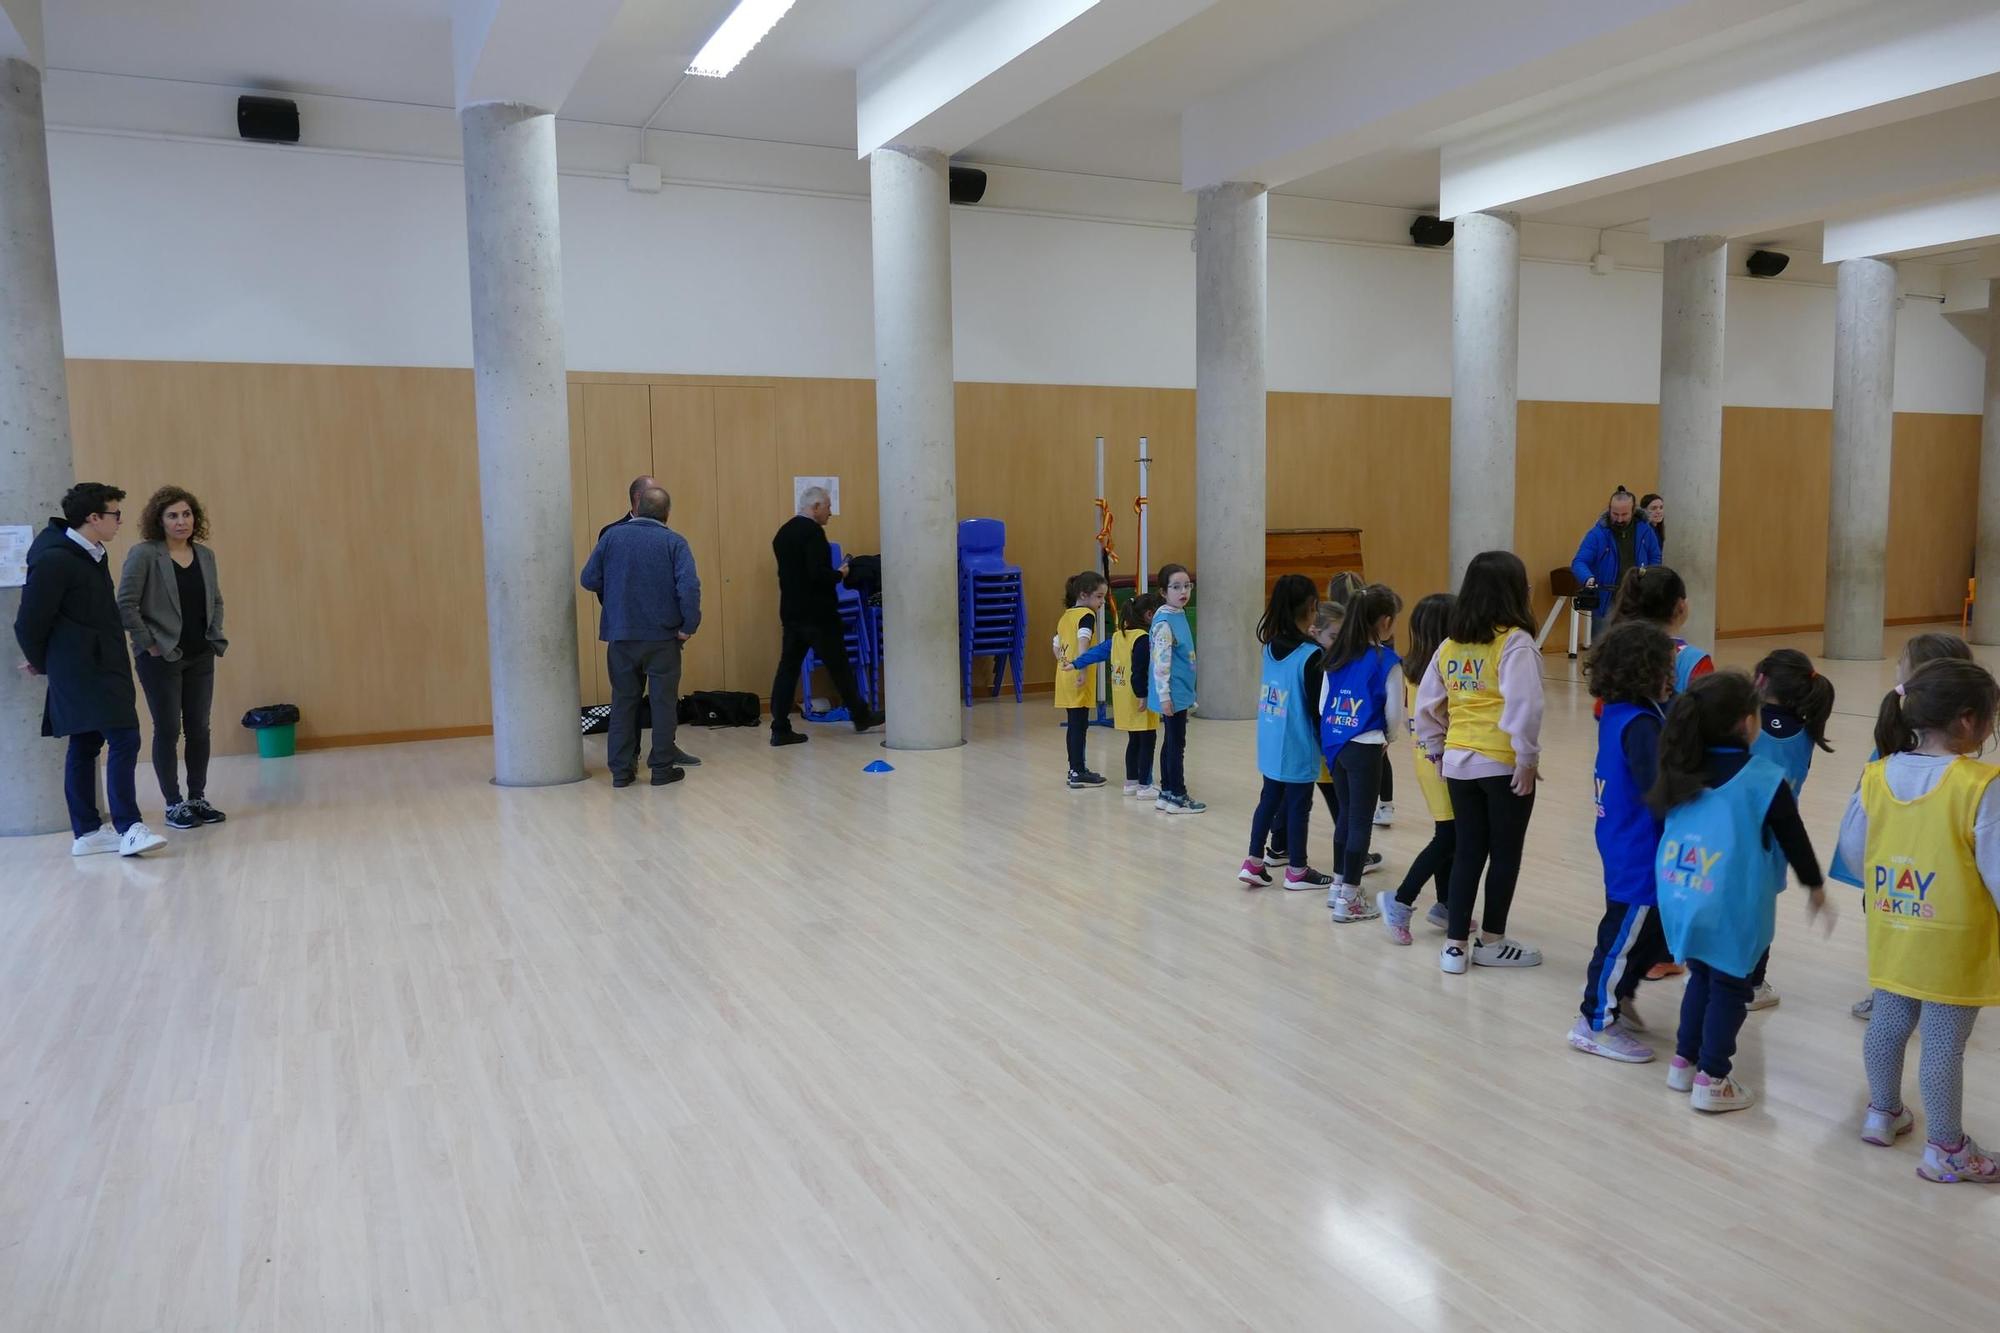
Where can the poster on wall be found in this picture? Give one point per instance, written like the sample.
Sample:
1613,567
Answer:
15,538
800,485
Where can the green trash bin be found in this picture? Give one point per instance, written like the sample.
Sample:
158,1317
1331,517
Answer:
277,742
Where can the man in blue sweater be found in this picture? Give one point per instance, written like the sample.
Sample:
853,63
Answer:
644,574
1614,544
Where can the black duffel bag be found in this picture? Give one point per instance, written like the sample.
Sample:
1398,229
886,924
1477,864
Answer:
720,708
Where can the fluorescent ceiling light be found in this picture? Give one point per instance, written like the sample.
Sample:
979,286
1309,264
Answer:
743,29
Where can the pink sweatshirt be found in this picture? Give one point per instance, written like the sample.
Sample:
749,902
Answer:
1520,712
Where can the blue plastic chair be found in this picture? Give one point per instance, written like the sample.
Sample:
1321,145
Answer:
992,604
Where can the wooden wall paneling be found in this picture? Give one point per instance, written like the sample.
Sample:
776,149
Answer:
618,446
1771,551
746,578
1378,463
683,452
1933,514
1569,458
316,480
591,685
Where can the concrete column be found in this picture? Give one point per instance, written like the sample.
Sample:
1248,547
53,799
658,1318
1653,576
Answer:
522,399
1693,288
916,446
1864,422
1485,365
1230,239
35,463
1986,611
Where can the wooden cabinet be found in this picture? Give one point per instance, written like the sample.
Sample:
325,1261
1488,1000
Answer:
1317,553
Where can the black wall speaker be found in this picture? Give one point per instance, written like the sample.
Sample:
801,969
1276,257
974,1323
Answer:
1428,231
1766,263
968,185
267,119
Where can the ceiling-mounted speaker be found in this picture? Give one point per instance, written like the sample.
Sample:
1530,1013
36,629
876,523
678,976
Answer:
267,119
1427,231
968,185
1766,263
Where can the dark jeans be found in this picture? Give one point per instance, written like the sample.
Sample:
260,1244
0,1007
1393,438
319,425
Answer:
1357,777
828,642
634,665
1629,940
1139,756
1279,845
1712,1014
121,784
1286,805
178,695
1432,863
1076,724
1492,829
1173,753
1757,974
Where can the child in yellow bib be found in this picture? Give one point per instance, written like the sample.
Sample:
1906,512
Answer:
1924,830
1428,621
1076,681
1130,664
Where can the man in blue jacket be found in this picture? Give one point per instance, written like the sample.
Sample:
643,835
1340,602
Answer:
644,574
1614,544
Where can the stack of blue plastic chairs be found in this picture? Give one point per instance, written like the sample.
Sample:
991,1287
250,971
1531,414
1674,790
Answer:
863,650
992,605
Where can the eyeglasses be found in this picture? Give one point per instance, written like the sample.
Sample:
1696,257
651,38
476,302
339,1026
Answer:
1180,587
118,514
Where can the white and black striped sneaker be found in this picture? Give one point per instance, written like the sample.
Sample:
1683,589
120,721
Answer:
182,816
1504,952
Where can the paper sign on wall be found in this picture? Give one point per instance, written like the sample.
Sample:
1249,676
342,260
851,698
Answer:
800,485
15,539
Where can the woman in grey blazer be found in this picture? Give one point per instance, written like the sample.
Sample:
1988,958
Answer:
171,603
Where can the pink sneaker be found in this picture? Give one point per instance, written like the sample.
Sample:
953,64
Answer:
1964,1165
1254,874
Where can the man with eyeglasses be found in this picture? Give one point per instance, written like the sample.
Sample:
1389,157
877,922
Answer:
70,633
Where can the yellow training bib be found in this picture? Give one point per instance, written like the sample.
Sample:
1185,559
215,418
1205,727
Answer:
1128,710
1074,689
1471,674
1933,933
1437,797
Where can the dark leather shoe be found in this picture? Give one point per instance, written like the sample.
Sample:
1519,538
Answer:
789,738
663,776
617,781
683,759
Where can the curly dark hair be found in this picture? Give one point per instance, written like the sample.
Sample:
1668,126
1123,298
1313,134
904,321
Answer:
153,530
1632,663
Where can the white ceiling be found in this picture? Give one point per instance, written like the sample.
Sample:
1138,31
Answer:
796,87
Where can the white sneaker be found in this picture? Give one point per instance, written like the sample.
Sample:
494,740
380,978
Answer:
1883,1128
1131,787
1453,959
1348,905
139,840
105,839
1385,813
1680,1075
1762,998
1720,1094
1147,793
1503,952
1613,1042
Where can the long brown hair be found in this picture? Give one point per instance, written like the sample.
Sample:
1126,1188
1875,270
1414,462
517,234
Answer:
152,529
1934,698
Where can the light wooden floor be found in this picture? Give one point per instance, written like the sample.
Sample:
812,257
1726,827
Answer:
793,1047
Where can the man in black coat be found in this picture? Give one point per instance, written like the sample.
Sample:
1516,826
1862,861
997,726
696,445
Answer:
809,611
69,631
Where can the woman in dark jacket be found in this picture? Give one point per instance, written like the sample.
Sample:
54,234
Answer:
68,630
171,603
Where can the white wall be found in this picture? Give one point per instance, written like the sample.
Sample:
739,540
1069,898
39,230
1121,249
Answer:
178,249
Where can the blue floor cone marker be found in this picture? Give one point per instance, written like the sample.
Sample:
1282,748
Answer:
879,766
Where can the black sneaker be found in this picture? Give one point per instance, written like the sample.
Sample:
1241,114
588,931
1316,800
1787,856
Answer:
789,738
868,722
618,780
1085,779
205,812
663,776
179,816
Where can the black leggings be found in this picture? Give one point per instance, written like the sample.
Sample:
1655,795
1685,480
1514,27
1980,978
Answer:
1388,786
1173,753
1357,776
1077,725
1282,805
1278,844
1139,756
1492,829
1433,862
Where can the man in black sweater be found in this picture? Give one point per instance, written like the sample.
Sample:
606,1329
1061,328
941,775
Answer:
809,611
